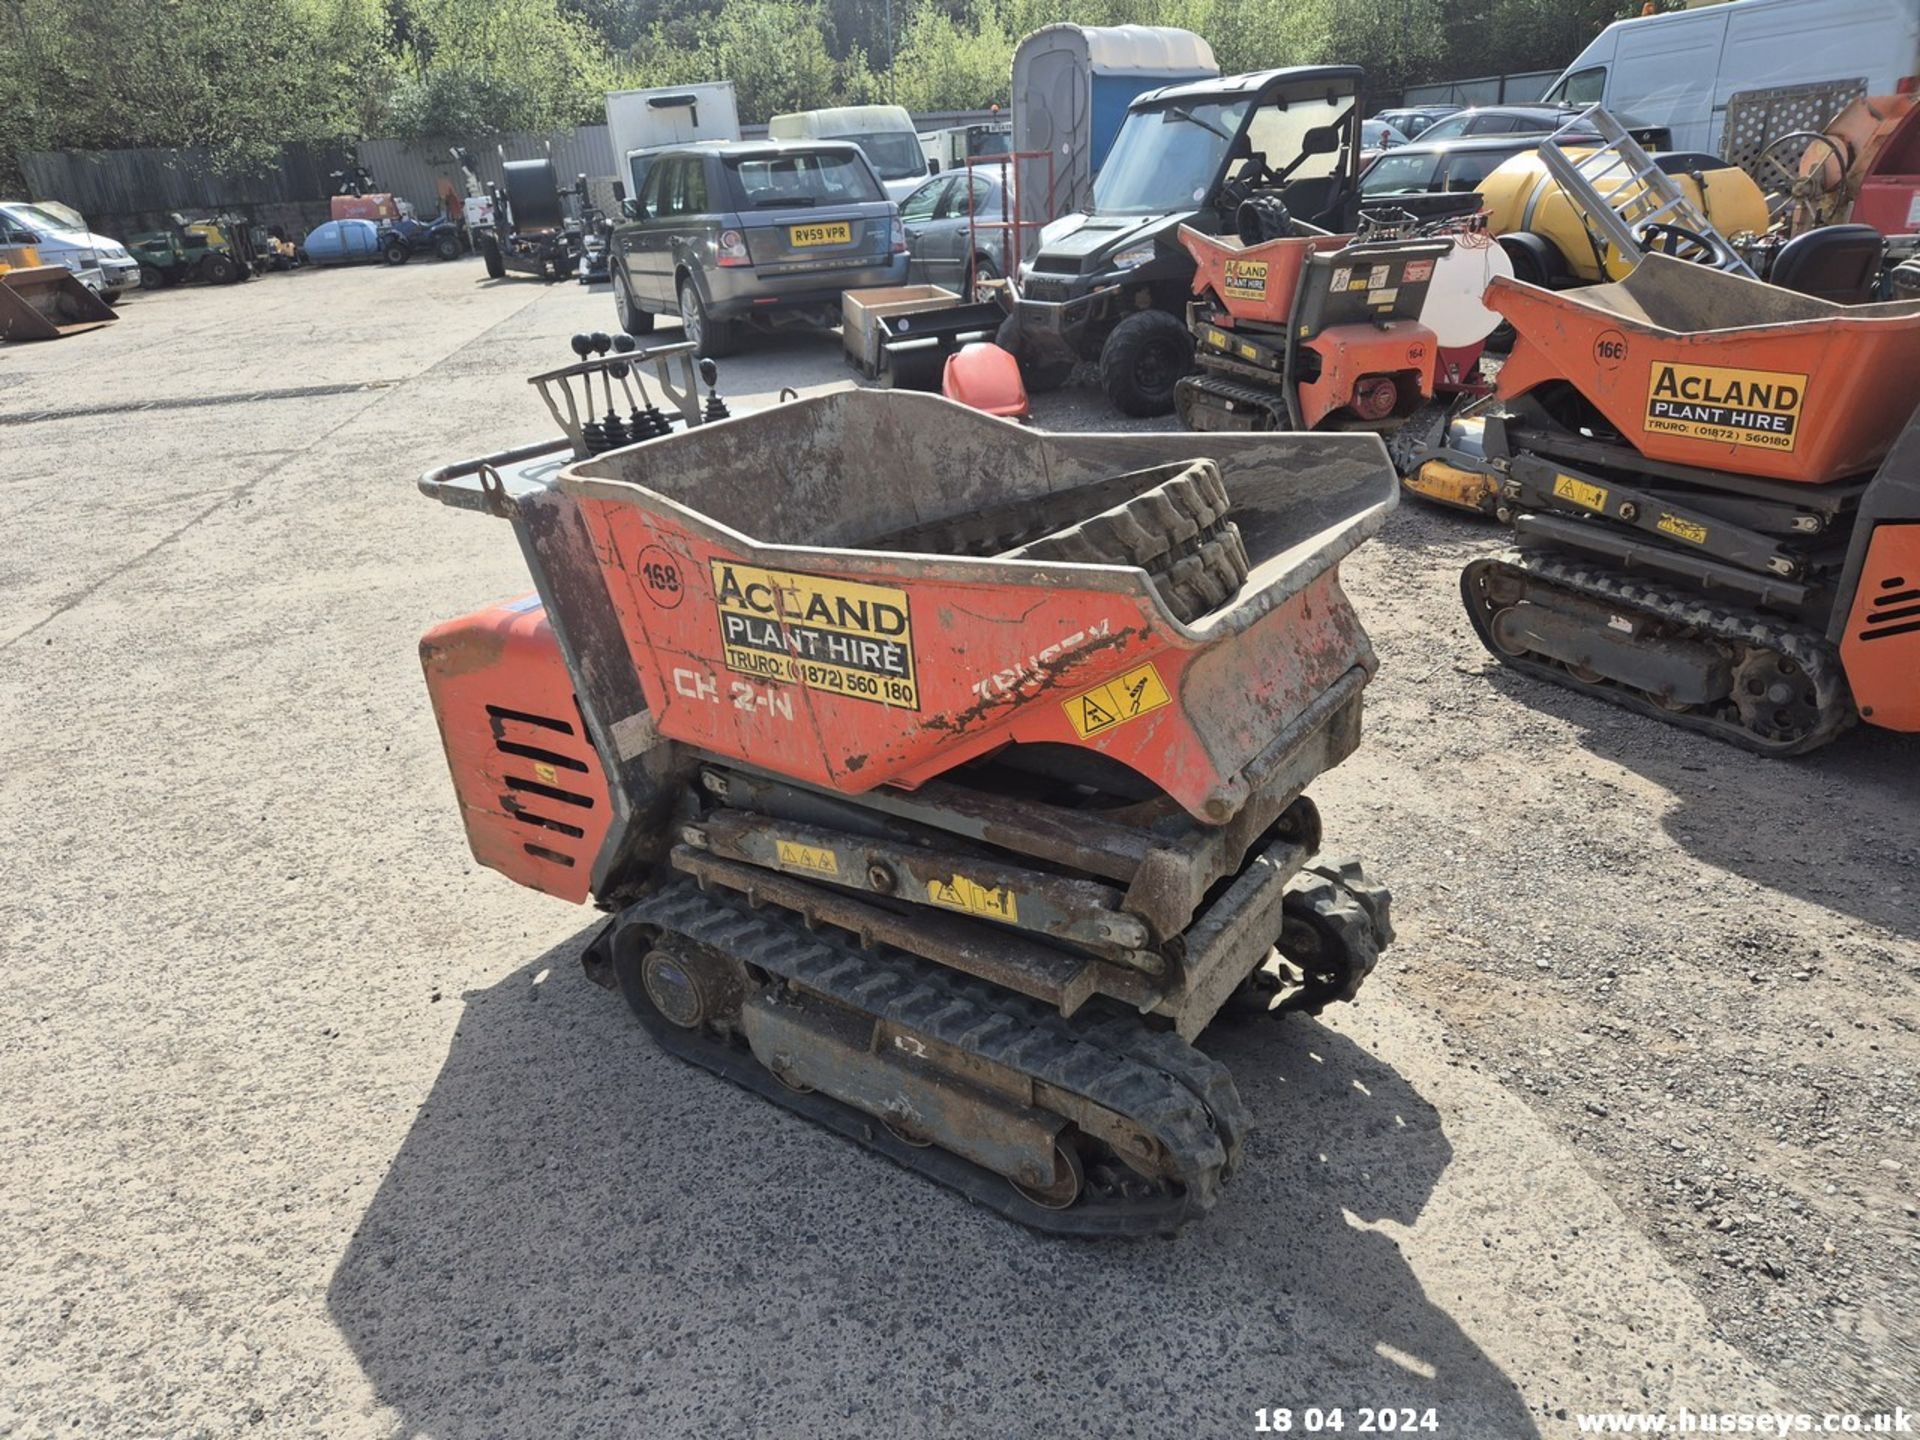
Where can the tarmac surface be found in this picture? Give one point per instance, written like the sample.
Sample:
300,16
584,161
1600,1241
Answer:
314,1127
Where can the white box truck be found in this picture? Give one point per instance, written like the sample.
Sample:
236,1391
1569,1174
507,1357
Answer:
671,115
1680,69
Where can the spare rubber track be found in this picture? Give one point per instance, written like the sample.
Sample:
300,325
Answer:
1158,1082
1742,628
1178,532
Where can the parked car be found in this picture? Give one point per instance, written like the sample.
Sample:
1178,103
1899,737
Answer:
1480,121
1423,167
950,244
342,242
1411,120
761,233
104,265
1377,136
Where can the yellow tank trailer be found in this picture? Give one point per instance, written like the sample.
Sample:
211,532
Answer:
1541,228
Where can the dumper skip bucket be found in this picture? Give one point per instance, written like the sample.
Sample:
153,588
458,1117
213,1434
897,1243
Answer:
1697,367
766,620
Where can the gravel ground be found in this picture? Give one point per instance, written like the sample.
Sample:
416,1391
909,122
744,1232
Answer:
316,1128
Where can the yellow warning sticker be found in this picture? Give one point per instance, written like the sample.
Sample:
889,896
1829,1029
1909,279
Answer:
814,859
1245,279
1691,531
1594,497
545,773
995,902
1096,711
840,636
1760,408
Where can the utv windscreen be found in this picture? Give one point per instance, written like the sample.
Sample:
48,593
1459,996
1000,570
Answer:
1164,160
803,178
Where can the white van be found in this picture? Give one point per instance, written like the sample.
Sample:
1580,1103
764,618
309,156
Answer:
103,264
1680,69
884,132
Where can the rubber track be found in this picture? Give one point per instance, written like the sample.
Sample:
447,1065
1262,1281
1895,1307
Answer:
1268,401
1123,1072
1749,629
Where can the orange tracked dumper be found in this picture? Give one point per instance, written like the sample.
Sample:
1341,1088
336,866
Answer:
1715,484
942,780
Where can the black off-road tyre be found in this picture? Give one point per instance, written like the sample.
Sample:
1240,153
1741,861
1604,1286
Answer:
1262,218
395,252
1039,376
490,257
447,247
219,270
1143,360
1178,532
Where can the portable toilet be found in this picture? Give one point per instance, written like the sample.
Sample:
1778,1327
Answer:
1071,88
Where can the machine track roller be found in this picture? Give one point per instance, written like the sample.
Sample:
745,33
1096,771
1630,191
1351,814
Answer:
1143,1129
1785,691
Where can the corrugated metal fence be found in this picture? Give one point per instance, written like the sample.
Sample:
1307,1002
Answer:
1518,89
125,191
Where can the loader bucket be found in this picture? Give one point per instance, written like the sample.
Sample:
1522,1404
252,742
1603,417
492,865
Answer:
1697,367
767,620
47,302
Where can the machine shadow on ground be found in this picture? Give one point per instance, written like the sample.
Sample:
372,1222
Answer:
1746,814
580,1233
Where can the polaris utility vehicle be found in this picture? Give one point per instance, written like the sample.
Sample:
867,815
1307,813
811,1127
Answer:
1111,284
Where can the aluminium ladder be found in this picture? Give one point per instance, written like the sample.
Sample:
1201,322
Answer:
1642,195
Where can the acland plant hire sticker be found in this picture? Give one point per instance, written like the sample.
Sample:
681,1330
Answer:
1096,711
1245,279
972,898
1757,408
838,636
812,859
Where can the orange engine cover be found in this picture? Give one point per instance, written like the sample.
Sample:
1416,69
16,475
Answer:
363,207
532,793
1403,351
1881,649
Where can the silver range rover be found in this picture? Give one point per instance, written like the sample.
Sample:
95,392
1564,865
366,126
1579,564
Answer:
750,234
